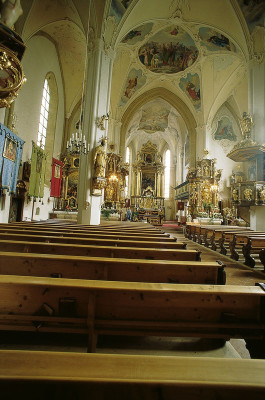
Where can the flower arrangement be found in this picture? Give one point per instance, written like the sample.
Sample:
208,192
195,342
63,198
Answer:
203,214
68,208
217,216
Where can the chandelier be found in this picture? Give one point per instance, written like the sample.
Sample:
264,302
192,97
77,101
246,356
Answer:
77,145
113,178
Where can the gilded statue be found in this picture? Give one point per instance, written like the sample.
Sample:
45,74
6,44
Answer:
248,194
100,159
109,191
262,193
235,195
246,125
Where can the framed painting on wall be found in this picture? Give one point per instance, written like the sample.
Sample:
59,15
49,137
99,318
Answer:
10,149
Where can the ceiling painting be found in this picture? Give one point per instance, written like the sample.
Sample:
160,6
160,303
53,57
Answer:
118,8
154,119
171,50
191,86
253,11
225,130
215,41
137,34
134,82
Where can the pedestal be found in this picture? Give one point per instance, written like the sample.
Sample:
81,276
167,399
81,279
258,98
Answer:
257,220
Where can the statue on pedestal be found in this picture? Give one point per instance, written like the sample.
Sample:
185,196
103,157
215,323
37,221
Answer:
246,125
100,159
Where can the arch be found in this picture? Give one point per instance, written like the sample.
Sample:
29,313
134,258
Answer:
175,102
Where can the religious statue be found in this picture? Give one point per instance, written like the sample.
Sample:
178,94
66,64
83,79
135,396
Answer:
248,194
100,159
262,193
10,11
109,191
235,195
246,125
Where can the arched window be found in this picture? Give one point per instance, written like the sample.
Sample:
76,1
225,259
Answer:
167,174
127,160
44,114
127,157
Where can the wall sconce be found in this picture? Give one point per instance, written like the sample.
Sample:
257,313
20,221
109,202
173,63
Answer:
100,121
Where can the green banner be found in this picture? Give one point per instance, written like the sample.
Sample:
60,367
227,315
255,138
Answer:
37,172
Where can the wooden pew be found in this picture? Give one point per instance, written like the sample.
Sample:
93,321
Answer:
118,269
102,235
39,304
213,236
239,239
64,376
90,241
121,227
84,229
99,251
254,245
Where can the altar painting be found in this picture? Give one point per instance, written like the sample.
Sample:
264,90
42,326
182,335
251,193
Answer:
148,180
154,119
118,8
137,34
214,40
133,83
225,130
191,86
169,51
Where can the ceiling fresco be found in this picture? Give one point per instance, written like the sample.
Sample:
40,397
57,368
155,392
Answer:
225,130
154,119
118,8
134,82
137,34
191,86
253,10
171,50
215,41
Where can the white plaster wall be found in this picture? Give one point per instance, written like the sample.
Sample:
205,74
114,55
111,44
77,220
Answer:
39,59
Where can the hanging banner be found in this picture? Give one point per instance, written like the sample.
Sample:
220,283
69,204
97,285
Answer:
57,171
11,148
37,172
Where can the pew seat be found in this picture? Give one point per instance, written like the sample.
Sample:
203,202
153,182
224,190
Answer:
113,269
64,376
40,304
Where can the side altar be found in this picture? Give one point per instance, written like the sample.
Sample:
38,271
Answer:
147,185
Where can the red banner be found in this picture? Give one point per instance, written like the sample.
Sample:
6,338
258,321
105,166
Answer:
57,171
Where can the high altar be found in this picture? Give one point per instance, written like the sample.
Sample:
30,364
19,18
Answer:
147,183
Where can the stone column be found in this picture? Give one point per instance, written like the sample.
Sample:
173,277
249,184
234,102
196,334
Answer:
96,104
256,87
202,140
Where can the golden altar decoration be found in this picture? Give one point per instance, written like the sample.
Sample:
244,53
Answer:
68,199
147,179
203,187
116,173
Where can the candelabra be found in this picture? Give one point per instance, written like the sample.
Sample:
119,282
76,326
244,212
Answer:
77,145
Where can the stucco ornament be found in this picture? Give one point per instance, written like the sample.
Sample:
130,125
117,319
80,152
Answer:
109,33
10,11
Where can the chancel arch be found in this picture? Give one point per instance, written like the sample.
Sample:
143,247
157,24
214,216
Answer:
175,102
